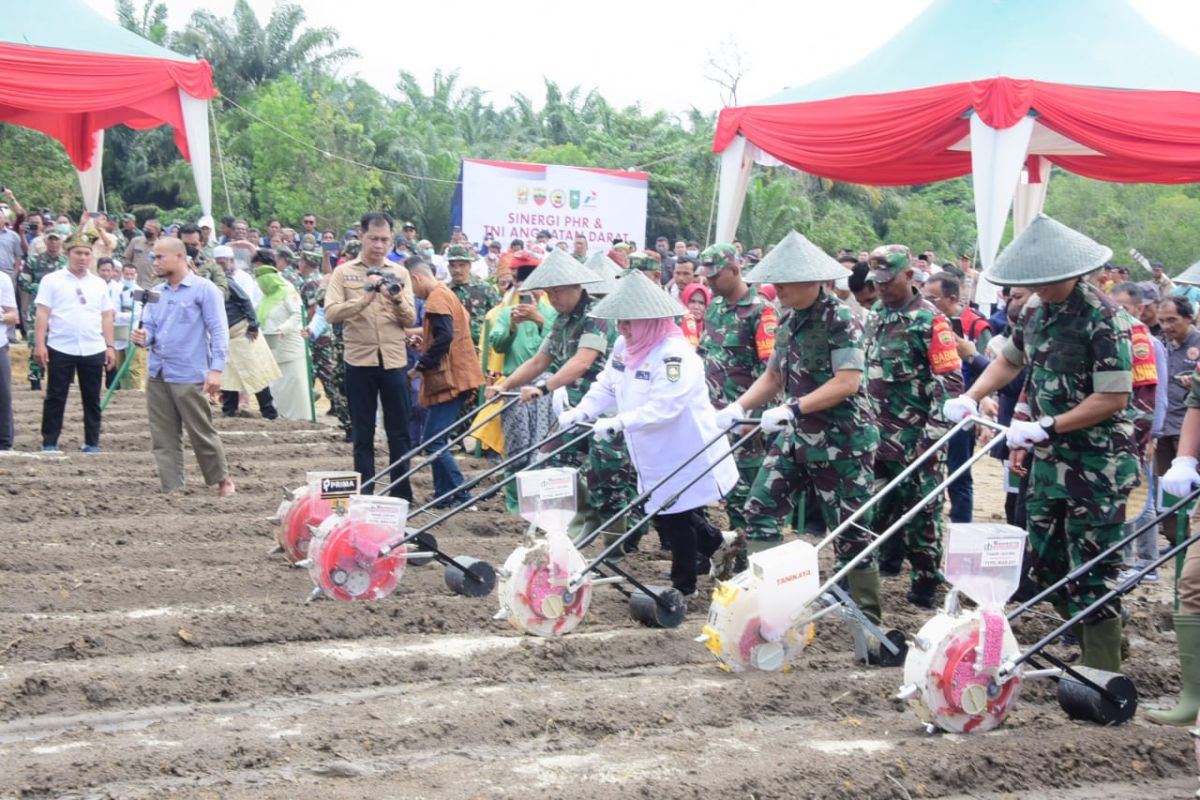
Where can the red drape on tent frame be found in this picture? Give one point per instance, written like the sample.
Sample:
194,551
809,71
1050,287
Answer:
71,94
902,138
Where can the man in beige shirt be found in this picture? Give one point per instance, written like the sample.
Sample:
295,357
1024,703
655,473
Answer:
373,300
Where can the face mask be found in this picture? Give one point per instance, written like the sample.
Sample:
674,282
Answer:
192,251
693,253
428,252
129,284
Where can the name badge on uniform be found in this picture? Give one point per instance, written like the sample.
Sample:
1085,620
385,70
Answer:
674,368
642,375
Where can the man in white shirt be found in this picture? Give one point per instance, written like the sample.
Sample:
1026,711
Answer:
73,333
8,323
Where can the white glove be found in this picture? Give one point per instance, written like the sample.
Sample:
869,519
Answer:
558,400
569,418
607,428
1025,435
956,409
729,415
1181,477
776,419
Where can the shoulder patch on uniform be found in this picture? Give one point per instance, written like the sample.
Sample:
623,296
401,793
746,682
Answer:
674,369
671,359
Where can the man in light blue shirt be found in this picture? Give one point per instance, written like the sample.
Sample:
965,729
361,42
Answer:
189,341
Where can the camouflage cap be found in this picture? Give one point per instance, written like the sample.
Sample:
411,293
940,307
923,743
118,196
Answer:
716,257
287,254
637,297
1046,252
559,269
460,252
79,239
312,256
645,261
888,259
796,260
352,248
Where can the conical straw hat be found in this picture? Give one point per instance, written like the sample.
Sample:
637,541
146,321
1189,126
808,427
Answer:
559,269
608,271
1190,276
1047,252
796,260
637,297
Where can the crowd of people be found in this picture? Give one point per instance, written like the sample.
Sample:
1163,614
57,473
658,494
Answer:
851,367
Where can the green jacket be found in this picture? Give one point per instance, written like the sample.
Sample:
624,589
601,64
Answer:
520,345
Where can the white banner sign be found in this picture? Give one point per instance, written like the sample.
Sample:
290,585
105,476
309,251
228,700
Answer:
511,200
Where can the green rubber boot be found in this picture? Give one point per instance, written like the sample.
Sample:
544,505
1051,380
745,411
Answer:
741,561
1074,630
1102,645
1187,636
864,590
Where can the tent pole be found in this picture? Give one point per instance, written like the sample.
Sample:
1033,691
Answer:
220,158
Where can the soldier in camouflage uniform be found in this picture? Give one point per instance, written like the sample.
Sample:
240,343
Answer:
477,298
1078,383
326,347
28,280
570,357
738,338
350,252
824,436
912,368
286,262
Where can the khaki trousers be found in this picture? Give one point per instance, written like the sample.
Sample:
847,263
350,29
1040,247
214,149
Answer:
171,408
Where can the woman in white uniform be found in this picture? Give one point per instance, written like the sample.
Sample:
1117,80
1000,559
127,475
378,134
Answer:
654,381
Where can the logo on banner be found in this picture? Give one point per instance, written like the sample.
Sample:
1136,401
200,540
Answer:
590,200
539,196
557,198
522,195
575,198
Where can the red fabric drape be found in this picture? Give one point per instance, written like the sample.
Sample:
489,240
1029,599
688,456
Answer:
902,137
70,95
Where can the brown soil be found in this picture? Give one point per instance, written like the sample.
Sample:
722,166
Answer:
150,647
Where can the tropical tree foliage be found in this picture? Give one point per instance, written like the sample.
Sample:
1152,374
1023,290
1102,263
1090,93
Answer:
310,141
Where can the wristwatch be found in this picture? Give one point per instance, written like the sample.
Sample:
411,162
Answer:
541,387
1047,424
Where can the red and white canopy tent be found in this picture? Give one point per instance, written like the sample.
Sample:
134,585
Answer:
69,72
1089,85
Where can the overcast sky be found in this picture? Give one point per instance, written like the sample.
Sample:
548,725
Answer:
651,53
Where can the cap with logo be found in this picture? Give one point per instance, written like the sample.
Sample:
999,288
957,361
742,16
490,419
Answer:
715,258
887,260
460,252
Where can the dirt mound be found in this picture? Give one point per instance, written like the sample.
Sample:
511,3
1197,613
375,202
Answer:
149,646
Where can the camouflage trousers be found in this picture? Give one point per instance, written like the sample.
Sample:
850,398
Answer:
1064,534
749,461
842,486
36,373
329,366
920,539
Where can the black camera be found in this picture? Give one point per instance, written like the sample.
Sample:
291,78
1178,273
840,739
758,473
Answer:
389,283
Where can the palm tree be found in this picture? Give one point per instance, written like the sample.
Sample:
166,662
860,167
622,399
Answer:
244,53
151,24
